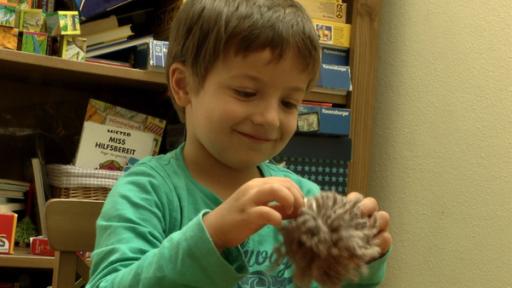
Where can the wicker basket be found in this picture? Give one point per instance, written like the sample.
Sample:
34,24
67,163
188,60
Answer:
68,181
89,193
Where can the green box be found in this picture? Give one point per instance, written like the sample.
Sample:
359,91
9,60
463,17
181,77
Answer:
63,23
7,16
34,42
73,48
32,20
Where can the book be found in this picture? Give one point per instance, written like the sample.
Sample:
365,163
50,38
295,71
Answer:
90,8
104,49
23,184
109,35
7,232
11,207
12,194
109,147
98,26
108,114
39,185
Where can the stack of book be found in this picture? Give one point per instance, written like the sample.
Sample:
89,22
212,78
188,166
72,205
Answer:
12,195
330,20
117,39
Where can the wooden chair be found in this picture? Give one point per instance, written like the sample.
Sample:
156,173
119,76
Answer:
71,227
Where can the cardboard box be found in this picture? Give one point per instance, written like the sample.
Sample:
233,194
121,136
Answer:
73,48
41,246
34,42
332,33
7,15
330,10
31,20
7,232
63,23
335,77
335,56
8,37
329,120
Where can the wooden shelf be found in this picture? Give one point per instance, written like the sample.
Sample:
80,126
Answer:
48,68
327,95
53,69
23,259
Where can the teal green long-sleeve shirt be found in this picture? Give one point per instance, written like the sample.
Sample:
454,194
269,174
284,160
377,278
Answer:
150,234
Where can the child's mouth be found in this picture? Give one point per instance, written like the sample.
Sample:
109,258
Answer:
256,137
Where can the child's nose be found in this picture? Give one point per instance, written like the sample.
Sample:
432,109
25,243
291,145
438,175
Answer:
267,114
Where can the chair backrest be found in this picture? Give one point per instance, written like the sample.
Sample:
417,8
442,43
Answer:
71,225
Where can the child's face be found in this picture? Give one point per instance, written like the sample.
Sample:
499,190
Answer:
246,111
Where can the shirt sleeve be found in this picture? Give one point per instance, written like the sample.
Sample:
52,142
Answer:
134,249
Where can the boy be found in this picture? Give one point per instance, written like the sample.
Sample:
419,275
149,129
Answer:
198,216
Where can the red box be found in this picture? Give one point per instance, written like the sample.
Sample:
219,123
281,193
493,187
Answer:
40,246
7,232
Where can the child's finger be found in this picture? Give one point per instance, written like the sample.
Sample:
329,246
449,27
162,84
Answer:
274,192
382,220
368,206
383,240
266,215
293,187
354,196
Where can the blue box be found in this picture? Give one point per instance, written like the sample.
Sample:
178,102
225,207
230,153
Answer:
323,120
335,77
335,56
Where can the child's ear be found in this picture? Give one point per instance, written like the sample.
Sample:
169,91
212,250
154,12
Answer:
179,84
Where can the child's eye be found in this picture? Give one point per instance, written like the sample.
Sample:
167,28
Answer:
244,93
289,105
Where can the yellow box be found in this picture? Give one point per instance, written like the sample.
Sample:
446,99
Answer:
330,10
333,33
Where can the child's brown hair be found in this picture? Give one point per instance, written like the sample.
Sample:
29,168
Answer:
205,29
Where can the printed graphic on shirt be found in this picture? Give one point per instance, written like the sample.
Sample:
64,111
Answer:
262,271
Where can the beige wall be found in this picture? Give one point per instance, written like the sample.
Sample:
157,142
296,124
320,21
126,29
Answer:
442,142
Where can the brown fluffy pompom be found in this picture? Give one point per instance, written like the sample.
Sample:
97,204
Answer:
329,242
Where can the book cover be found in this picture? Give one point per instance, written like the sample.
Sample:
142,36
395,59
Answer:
331,10
108,114
73,48
335,77
8,37
332,33
7,15
7,232
108,147
34,42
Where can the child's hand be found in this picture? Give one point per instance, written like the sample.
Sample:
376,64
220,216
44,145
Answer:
255,204
369,206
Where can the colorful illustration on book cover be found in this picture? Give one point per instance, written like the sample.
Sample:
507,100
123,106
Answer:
111,165
32,20
8,38
73,48
34,42
63,23
324,32
108,114
7,16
